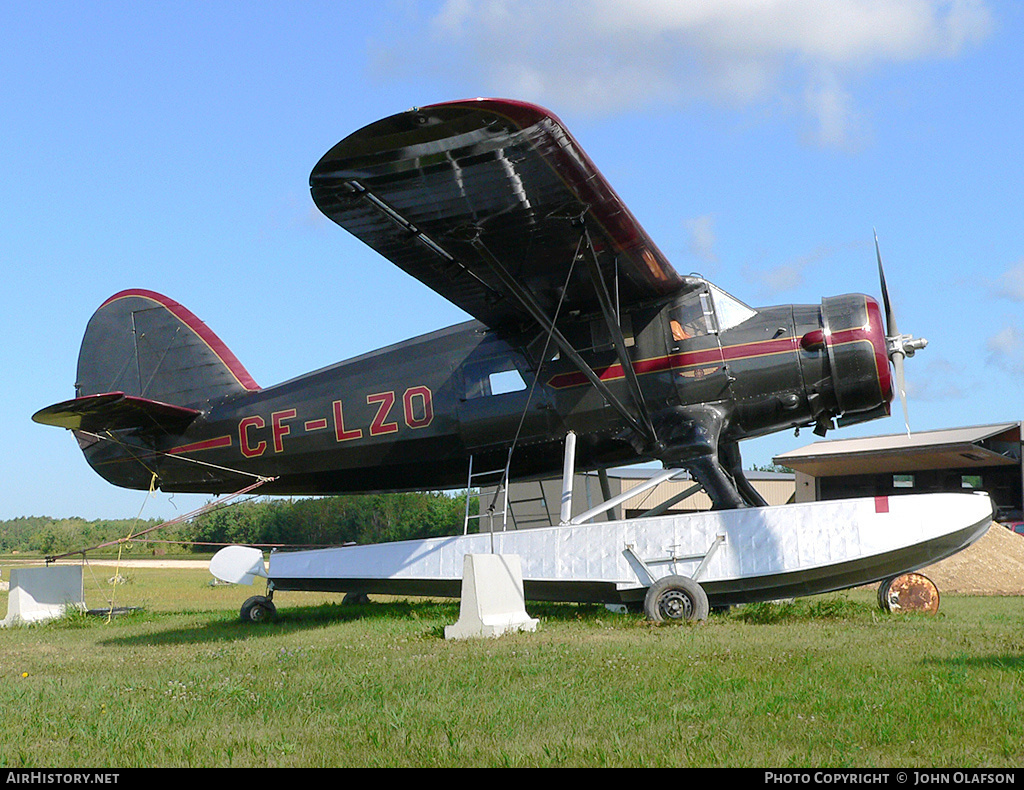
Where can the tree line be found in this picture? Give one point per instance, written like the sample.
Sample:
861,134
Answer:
320,521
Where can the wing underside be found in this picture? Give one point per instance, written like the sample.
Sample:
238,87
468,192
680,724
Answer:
494,205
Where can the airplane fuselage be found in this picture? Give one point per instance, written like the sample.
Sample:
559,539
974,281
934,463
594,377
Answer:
408,417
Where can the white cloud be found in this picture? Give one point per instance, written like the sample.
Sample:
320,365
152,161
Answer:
789,276
837,124
702,238
605,56
786,277
1011,283
1006,349
937,381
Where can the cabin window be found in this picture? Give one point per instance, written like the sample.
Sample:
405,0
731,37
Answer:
506,381
902,481
497,376
971,482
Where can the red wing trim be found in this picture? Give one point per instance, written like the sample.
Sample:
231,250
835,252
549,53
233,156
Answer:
207,335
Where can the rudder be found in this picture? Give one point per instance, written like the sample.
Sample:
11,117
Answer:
144,344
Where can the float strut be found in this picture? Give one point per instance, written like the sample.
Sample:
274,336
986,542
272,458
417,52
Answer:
568,475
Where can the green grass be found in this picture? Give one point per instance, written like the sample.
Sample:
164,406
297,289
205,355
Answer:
825,682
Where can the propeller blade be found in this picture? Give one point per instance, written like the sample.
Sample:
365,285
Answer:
898,346
901,386
890,316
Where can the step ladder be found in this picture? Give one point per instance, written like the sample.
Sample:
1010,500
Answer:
504,507
524,516
497,480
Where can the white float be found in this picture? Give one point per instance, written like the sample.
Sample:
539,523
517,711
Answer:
238,565
736,556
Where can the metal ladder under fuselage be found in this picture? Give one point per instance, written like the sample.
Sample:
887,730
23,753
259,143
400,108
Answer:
497,481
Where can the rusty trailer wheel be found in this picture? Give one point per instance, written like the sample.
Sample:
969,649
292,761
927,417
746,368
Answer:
909,592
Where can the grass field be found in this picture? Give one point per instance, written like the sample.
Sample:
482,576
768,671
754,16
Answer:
824,682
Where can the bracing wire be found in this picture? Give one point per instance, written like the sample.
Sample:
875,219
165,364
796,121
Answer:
536,377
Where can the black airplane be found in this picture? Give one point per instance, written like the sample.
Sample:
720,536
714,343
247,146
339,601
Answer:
580,324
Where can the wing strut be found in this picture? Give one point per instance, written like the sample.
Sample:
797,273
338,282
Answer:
525,298
611,319
359,191
642,427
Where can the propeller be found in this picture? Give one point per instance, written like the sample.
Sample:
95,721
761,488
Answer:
898,346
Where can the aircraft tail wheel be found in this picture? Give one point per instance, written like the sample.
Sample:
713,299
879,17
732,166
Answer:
676,599
258,609
908,592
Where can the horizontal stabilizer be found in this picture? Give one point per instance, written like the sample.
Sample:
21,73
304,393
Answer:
116,411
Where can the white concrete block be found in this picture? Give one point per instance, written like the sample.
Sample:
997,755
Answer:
39,594
492,598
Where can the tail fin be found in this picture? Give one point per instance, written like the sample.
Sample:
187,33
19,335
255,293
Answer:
146,345
147,368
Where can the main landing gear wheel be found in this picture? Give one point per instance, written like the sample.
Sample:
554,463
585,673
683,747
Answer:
676,599
908,592
258,609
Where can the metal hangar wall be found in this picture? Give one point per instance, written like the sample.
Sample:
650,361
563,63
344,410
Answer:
537,503
983,458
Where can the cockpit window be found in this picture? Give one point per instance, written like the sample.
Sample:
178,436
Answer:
729,310
691,317
706,312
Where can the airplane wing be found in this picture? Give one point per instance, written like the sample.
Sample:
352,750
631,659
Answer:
486,202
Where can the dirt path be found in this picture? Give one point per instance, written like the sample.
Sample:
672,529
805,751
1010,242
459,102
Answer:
114,562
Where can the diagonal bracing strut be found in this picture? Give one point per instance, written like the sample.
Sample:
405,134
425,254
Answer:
612,321
642,427
525,298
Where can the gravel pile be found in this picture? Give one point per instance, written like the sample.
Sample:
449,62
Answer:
994,565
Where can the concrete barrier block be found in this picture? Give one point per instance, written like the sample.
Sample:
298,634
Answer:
39,594
492,598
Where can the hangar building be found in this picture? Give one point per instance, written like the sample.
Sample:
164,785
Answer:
983,458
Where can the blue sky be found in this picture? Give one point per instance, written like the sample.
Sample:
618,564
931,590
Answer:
168,146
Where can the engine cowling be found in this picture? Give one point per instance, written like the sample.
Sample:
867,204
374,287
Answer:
853,333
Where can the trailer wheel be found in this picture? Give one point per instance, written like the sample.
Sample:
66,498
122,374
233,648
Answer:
258,609
676,599
908,592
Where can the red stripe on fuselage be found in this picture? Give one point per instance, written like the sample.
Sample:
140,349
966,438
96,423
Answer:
208,444
686,359
716,356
